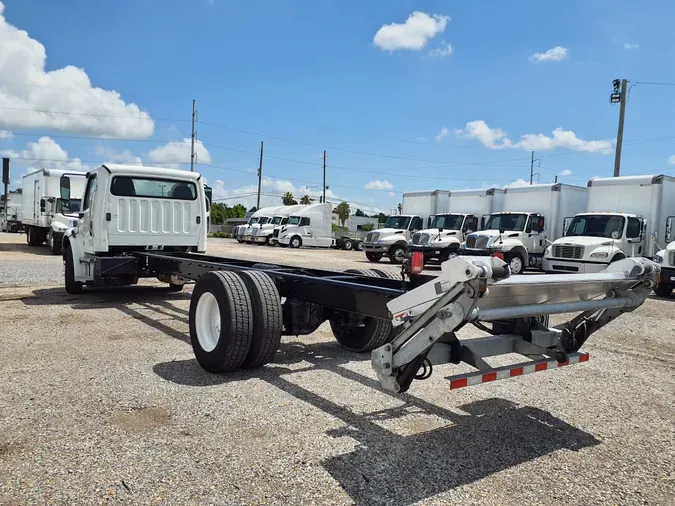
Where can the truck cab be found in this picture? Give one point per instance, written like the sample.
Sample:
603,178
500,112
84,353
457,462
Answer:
392,240
308,226
666,259
442,239
594,240
129,209
520,237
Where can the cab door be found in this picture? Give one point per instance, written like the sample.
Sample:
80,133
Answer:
535,234
635,237
87,215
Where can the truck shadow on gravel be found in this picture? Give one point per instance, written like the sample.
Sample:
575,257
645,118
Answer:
389,468
42,251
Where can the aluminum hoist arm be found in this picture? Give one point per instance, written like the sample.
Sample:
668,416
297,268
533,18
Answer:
479,290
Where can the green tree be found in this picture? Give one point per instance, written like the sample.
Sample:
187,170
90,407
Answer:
238,211
359,213
288,199
342,210
400,209
367,227
306,199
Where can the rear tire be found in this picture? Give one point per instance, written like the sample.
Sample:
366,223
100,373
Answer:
72,287
176,288
516,263
55,245
663,290
373,257
358,246
348,245
295,242
221,321
371,333
267,318
32,237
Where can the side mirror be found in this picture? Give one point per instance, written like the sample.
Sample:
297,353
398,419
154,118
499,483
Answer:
669,229
43,205
502,230
64,184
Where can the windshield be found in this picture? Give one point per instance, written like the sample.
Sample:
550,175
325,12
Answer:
68,206
596,226
263,220
276,220
253,221
448,221
294,220
284,221
514,222
397,222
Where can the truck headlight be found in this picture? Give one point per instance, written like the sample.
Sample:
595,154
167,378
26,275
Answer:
600,254
658,259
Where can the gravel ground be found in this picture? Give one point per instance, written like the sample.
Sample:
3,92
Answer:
103,403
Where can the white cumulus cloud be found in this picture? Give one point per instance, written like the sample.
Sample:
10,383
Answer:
442,134
557,53
6,135
517,184
176,152
379,185
110,155
445,49
45,153
565,172
671,160
32,97
496,138
413,34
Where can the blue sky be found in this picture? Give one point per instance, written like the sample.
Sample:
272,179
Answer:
403,95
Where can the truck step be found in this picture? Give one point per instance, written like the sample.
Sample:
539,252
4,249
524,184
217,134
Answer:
510,371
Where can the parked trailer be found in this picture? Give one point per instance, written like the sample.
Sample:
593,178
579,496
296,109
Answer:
237,316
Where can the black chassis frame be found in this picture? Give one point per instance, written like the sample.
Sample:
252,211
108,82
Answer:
342,291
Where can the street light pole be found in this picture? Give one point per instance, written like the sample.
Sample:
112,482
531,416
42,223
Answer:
619,95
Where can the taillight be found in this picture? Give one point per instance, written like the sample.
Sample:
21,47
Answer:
417,262
498,254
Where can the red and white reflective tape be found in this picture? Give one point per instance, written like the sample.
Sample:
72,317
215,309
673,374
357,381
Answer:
475,378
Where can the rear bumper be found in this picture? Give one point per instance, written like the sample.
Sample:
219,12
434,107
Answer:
572,266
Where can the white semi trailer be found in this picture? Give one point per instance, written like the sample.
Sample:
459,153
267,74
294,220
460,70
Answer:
624,217
131,228
47,212
417,210
466,213
532,216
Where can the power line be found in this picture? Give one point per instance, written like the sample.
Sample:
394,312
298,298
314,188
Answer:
136,118
654,83
89,137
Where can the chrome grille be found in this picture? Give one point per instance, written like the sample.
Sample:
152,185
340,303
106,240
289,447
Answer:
416,238
471,241
672,258
476,242
276,232
420,239
254,232
373,237
568,251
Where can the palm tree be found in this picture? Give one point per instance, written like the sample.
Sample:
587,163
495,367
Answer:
306,200
400,208
288,199
342,210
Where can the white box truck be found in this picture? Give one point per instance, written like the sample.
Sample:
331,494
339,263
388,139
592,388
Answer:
624,217
309,226
466,213
47,212
417,210
531,217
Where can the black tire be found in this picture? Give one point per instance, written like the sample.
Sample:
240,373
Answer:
373,257
32,237
347,244
358,246
236,322
267,318
176,288
268,240
663,290
295,242
387,274
55,245
72,287
371,334
397,254
448,254
512,257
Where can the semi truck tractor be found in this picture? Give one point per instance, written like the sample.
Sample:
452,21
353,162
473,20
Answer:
264,234
624,217
417,211
466,213
532,216
46,211
666,259
308,226
143,222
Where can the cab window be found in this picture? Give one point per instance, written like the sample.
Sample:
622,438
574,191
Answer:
92,184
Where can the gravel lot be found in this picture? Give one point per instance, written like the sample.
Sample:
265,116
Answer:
102,403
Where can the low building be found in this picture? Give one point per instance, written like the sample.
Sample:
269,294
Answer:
355,223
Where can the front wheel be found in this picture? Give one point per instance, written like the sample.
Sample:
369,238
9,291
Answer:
373,257
397,254
516,263
358,246
663,290
54,244
296,242
72,286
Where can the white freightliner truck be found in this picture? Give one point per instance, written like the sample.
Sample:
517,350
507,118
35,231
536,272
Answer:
143,222
466,213
624,217
417,210
308,226
531,217
264,234
238,231
666,258
46,212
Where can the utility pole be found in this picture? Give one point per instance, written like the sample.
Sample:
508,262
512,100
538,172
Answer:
619,95
532,160
260,175
324,177
194,135
5,180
